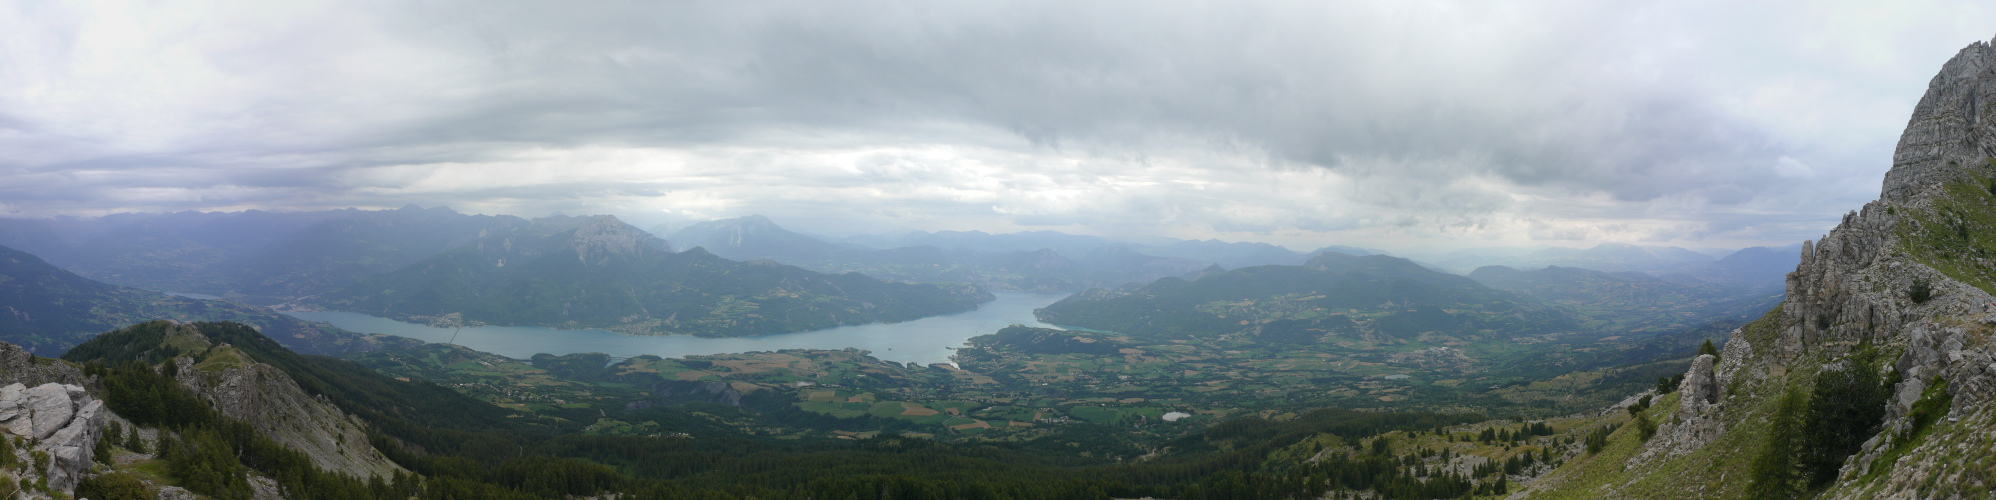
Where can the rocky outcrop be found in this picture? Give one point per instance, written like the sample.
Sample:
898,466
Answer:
268,399
1853,288
1904,286
18,365
60,420
175,493
1696,421
1948,128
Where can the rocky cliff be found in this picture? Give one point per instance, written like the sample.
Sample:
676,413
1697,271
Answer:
1899,292
268,399
1910,273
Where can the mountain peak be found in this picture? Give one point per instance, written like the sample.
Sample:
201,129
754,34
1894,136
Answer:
1945,137
752,237
602,235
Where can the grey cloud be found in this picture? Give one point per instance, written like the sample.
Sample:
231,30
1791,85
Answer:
1433,116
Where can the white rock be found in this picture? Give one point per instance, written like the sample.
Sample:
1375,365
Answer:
51,407
175,493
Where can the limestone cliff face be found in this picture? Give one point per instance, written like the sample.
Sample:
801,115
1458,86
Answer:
268,399
1909,275
1953,124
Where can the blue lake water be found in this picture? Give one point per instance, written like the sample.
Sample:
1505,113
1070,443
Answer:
924,341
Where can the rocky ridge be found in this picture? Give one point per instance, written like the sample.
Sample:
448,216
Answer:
1876,278
268,399
1909,277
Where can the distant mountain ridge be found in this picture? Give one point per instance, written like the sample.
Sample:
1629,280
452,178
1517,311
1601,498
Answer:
1033,260
47,309
1331,295
597,272
252,256
1631,301
1756,269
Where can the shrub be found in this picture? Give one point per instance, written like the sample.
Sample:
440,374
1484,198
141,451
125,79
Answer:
1598,439
1772,473
1920,292
1645,427
1845,409
1709,348
114,486
1667,385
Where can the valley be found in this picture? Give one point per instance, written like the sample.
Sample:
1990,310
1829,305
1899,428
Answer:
1190,363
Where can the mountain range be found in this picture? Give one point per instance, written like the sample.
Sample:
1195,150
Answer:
597,272
46,309
1633,302
1033,260
1333,295
251,256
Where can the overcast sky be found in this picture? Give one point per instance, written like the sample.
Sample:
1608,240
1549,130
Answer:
1392,124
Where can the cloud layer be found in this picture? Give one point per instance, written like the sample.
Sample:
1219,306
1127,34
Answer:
1396,124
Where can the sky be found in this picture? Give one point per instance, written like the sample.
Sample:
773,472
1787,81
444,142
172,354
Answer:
1398,125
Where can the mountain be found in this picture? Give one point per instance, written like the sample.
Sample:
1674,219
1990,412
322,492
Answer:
1004,261
597,272
1347,250
239,385
1611,257
1332,294
752,237
47,309
1758,269
339,251
1068,244
1230,255
251,256
1872,378
1628,301
220,411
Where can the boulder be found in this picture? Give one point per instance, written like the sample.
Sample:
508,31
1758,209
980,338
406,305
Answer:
52,408
175,493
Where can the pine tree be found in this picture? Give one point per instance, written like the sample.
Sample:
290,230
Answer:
1773,474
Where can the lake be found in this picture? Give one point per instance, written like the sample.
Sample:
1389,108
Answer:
924,341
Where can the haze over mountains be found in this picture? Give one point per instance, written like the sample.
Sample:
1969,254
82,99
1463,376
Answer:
1051,260
48,310
1160,250
598,272
438,265
1167,338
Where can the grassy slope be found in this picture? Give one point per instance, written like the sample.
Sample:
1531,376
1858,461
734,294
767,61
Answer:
1951,232
1717,470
